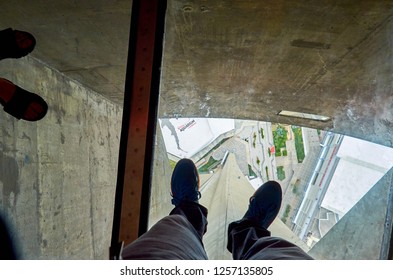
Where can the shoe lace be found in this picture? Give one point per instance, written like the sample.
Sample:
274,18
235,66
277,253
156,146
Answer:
185,194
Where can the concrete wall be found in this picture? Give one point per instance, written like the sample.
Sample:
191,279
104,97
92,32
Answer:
160,198
58,175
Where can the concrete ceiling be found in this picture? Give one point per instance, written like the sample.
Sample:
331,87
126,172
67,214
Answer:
235,59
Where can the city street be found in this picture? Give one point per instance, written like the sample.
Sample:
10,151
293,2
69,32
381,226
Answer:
317,185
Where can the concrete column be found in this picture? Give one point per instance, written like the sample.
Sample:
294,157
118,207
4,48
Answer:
58,175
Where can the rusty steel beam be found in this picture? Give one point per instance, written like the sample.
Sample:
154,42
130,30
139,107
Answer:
139,122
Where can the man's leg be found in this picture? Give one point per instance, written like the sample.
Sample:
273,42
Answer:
179,235
249,239
175,237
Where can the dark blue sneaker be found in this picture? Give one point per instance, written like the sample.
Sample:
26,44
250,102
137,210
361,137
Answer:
185,182
265,204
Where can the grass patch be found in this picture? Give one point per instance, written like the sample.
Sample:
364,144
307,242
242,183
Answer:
299,144
296,187
172,164
208,166
267,172
280,173
283,153
262,133
286,213
280,136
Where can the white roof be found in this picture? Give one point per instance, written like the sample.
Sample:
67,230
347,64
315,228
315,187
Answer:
184,137
362,164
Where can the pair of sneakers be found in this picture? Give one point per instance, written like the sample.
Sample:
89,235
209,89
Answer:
264,204
18,102
16,43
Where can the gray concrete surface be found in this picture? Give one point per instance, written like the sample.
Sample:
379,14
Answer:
250,60
57,176
160,199
85,40
238,59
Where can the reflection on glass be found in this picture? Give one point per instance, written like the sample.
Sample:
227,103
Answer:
323,175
